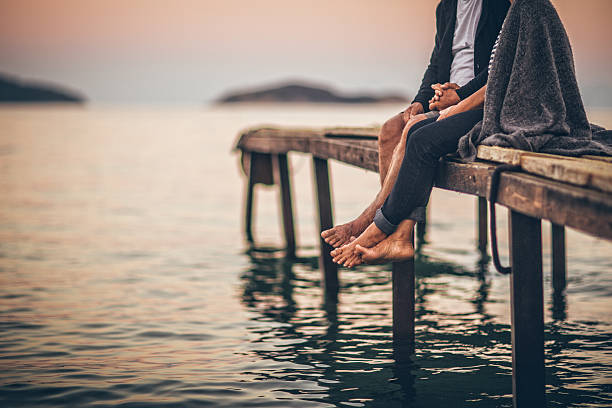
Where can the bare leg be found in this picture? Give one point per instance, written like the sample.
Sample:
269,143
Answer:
388,139
341,234
396,247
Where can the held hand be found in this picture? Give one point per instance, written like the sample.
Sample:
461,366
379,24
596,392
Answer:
448,98
444,93
414,109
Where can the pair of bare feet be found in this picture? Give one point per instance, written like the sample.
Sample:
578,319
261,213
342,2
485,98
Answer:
372,246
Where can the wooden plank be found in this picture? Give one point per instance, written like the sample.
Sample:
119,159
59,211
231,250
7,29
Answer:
586,210
352,132
499,155
577,207
607,159
579,172
328,267
527,315
469,178
573,170
277,140
363,155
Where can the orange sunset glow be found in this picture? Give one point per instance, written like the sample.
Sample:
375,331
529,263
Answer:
191,51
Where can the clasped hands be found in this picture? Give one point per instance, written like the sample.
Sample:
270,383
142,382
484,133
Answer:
445,99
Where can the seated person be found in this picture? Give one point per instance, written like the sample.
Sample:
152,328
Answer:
531,102
465,33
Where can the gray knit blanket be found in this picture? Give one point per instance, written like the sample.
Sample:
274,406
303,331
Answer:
532,100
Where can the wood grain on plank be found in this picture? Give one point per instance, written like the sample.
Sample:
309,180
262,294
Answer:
573,170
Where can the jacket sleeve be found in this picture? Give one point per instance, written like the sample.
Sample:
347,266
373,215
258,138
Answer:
425,92
475,84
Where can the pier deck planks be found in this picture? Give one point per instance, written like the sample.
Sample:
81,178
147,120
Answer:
583,207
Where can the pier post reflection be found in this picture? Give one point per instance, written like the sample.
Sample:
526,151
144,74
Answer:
349,352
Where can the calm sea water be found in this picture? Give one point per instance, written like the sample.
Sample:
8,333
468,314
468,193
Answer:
125,279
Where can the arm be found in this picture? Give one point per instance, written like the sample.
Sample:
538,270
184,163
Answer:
431,73
474,85
474,101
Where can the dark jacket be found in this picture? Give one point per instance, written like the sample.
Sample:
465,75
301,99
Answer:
438,71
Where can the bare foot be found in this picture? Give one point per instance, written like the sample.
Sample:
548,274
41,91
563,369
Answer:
396,247
341,234
347,255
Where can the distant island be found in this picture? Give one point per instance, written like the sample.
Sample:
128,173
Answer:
13,90
301,93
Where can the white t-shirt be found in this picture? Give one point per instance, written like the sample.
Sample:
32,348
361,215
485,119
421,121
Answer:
468,15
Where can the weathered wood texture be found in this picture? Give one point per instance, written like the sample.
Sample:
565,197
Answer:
283,180
527,312
579,171
559,264
583,208
402,275
482,224
326,221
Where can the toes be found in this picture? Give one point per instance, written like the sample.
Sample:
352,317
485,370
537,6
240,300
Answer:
365,253
354,261
327,233
334,241
339,257
329,239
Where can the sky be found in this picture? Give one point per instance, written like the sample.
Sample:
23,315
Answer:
193,51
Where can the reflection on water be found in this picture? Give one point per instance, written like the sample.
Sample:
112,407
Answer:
344,352
124,281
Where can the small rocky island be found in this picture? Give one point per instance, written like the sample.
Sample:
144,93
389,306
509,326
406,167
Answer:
13,90
301,93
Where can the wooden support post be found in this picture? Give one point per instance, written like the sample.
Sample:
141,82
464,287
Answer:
526,288
402,276
482,225
421,229
558,258
282,179
248,216
328,267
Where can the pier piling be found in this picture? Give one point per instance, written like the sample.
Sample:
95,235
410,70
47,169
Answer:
283,180
527,303
326,221
558,258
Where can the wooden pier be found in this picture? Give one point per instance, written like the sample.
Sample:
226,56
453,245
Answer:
573,192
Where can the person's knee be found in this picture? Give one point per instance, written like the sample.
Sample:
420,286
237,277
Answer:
420,145
391,131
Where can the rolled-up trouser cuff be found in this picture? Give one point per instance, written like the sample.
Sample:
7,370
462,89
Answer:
386,226
383,223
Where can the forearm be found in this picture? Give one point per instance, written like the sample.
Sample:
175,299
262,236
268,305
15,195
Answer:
474,85
474,101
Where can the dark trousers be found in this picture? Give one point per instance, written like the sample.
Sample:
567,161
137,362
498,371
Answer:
427,141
